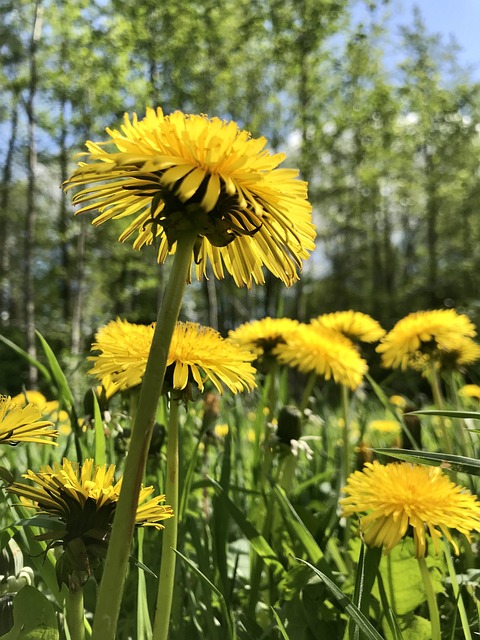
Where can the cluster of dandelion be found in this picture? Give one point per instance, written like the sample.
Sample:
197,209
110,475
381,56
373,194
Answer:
205,192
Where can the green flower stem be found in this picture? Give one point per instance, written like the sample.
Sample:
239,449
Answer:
456,591
346,454
431,600
75,614
440,404
111,586
170,535
346,435
307,392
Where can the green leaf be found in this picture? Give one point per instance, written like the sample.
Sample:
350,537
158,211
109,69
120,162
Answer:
280,626
355,614
257,541
390,617
297,527
99,432
227,614
446,460
34,617
58,375
136,563
366,574
402,578
472,415
42,368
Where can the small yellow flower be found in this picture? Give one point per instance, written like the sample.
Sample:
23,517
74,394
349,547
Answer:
352,324
398,401
391,498
423,335
470,391
196,354
24,424
326,353
221,430
251,435
384,426
184,172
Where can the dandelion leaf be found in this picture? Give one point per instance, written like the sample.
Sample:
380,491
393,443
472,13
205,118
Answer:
402,579
34,617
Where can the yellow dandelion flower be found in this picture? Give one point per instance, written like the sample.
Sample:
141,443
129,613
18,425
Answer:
464,353
184,172
470,391
352,324
262,336
397,496
398,401
83,499
221,430
196,354
384,426
24,424
32,396
424,333
326,353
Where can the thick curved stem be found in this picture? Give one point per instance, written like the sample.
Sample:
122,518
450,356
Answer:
111,586
74,614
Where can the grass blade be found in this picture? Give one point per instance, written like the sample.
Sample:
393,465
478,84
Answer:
227,614
355,614
435,459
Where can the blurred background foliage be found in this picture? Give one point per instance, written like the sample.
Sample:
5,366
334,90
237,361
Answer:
391,150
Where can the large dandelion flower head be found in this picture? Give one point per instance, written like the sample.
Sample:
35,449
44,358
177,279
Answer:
352,324
423,336
196,354
24,424
189,173
81,501
326,353
392,498
262,336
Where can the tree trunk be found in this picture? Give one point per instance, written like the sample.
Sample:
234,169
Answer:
6,237
31,214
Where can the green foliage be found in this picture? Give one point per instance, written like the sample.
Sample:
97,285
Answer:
34,617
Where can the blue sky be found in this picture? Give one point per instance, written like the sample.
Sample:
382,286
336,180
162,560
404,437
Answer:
460,18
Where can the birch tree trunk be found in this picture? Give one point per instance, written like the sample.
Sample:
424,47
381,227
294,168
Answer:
31,213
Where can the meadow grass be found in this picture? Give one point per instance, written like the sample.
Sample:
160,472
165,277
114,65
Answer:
263,551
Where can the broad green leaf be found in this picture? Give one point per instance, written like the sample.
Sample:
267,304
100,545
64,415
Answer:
415,628
355,614
402,579
446,460
34,617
